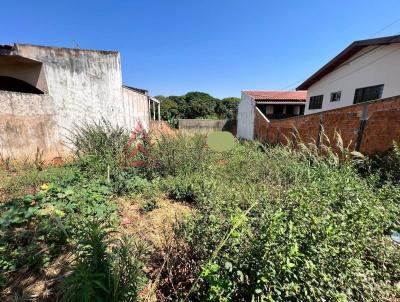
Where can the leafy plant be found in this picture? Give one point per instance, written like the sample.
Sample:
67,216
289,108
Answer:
279,224
149,205
106,269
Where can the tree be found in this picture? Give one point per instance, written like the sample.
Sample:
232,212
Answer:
227,108
197,105
200,105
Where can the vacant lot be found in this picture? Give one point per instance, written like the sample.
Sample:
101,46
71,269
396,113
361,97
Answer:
138,218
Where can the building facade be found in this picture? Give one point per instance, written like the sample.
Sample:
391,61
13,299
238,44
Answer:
271,105
366,70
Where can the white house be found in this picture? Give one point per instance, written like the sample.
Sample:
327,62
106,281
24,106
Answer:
366,70
270,105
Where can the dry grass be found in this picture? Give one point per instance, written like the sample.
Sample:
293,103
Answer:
38,285
155,228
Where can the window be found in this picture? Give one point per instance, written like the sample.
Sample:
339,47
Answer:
368,94
335,96
316,102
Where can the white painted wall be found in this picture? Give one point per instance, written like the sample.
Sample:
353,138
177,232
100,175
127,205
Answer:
86,86
374,67
136,108
245,120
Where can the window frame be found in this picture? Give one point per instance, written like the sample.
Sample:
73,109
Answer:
316,102
362,95
336,93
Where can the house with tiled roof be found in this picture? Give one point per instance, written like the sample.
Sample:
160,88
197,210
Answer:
270,105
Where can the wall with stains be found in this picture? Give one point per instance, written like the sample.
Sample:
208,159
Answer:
27,122
85,85
81,86
136,108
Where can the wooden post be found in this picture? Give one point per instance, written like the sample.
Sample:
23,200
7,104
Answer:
159,111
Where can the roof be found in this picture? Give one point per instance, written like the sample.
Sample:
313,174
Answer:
346,54
277,96
139,90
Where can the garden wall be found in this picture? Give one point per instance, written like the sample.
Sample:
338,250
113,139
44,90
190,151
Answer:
27,122
204,126
369,127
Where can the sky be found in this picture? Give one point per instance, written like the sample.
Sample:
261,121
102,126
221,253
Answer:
220,47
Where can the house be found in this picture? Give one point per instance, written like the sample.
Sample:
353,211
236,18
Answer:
366,70
45,91
271,104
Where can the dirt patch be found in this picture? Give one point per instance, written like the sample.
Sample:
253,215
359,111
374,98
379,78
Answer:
38,286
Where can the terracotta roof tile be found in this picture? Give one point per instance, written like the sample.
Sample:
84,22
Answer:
273,96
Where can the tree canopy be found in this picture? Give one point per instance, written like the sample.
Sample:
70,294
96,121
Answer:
196,104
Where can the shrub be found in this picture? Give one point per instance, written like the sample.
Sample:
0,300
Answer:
101,146
106,269
148,205
180,155
276,224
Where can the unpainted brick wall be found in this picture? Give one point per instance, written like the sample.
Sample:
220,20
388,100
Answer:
369,127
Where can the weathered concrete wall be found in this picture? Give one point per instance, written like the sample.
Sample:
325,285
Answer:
24,69
27,122
193,126
85,85
136,108
368,127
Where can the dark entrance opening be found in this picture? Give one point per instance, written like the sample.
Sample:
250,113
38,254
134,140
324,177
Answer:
16,85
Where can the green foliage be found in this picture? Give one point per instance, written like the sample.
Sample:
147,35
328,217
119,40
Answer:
227,108
274,224
101,146
183,155
386,165
31,233
35,229
149,205
197,105
106,269
25,179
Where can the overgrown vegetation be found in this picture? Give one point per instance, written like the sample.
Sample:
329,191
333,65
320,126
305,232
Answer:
267,223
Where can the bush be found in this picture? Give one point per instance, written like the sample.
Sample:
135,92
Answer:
106,269
275,224
101,146
180,155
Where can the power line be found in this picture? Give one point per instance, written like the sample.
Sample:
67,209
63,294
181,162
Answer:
370,51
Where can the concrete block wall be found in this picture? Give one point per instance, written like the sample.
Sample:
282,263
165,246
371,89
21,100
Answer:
369,127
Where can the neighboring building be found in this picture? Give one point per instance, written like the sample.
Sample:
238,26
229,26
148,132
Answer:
364,71
271,104
45,91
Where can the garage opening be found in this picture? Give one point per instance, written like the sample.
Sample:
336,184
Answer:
21,74
16,85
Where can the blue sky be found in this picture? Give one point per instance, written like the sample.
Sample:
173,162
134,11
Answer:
217,46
